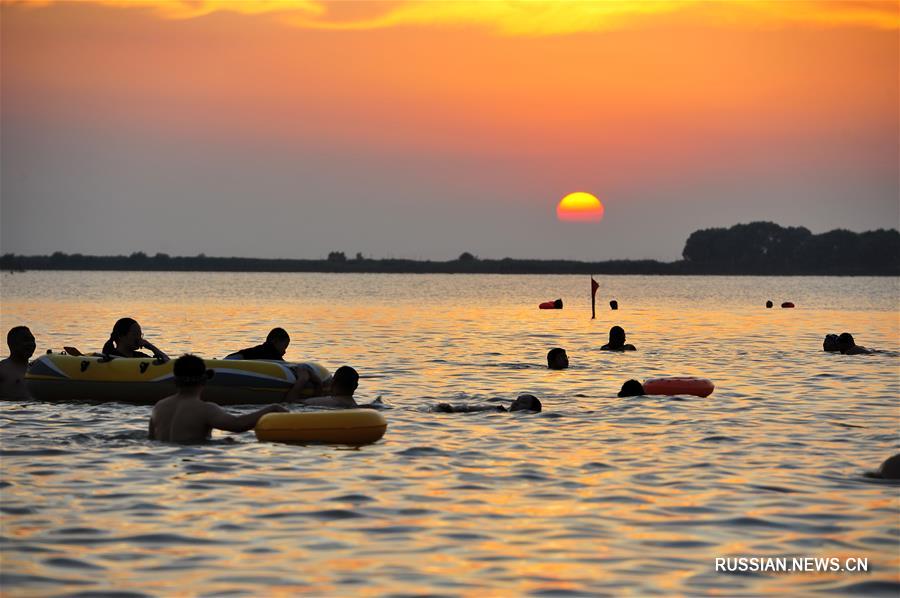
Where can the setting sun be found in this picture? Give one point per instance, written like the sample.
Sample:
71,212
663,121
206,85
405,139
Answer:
579,207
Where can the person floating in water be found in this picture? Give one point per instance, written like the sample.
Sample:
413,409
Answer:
557,359
125,340
632,388
617,341
889,470
185,417
830,343
21,345
274,348
524,402
847,346
343,384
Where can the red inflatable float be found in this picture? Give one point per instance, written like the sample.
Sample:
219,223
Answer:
551,304
787,304
698,387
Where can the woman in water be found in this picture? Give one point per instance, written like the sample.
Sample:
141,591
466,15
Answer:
125,340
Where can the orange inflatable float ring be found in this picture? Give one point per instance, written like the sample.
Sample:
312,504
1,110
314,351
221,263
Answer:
698,387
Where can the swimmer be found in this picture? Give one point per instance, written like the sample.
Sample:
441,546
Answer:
343,384
847,346
557,359
890,469
617,341
769,304
125,340
830,343
274,348
12,369
524,402
614,305
185,417
632,388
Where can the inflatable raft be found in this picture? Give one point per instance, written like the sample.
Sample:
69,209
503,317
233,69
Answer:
698,387
353,427
144,381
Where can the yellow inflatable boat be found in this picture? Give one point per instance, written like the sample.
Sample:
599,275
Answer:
59,377
354,427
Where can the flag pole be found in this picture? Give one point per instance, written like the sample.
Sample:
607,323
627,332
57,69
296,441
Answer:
594,287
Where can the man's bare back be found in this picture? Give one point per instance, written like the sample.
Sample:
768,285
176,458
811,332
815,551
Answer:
12,369
12,379
185,417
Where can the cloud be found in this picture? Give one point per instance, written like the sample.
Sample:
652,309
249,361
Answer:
529,18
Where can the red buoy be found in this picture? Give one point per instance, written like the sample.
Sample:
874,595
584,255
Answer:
787,304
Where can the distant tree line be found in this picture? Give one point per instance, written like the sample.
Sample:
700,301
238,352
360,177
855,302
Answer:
762,248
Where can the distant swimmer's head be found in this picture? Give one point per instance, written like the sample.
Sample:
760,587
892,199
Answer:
769,304
614,304
558,304
279,340
526,402
189,371
845,341
345,381
21,342
831,343
557,359
890,469
126,335
617,336
632,388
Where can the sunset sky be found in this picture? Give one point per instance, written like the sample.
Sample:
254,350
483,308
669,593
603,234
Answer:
426,129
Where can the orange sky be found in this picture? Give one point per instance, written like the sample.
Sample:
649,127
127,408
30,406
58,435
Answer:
525,101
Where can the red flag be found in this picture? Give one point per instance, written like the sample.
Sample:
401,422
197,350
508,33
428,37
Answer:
594,287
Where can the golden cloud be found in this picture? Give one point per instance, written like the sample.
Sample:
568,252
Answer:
528,17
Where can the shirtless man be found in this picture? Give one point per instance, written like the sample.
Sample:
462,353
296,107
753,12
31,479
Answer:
184,417
12,369
343,384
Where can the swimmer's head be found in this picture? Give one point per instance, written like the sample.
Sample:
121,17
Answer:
845,341
632,388
769,304
831,343
614,304
557,359
189,371
890,469
279,339
20,341
345,381
616,336
526,402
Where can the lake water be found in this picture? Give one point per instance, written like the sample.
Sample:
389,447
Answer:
596,495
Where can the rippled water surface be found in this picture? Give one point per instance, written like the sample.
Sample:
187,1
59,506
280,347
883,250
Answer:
595,496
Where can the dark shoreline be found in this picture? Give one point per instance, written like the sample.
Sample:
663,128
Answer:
506,266
754,249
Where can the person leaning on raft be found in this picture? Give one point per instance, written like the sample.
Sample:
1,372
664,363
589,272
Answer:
125,340
12,369
344,383
185,417
274,348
